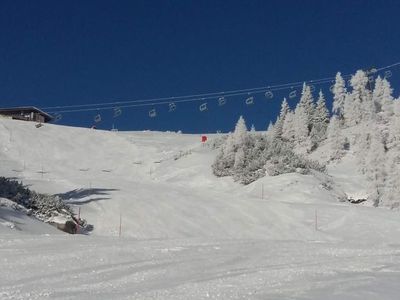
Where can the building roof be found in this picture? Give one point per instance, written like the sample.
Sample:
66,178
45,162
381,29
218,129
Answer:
47,116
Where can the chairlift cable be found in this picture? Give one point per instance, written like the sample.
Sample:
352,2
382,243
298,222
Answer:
194,97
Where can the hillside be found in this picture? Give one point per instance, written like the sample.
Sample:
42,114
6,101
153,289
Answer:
186,233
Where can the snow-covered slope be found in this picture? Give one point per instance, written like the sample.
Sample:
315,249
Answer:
185,233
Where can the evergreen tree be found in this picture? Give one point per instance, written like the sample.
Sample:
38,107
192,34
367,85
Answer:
358,103
394,128
284,109
303,117
278,128
375,166
270,130
383,100
288,130
339,95
320,122
225,162
377,94
335,138
392,185
239,160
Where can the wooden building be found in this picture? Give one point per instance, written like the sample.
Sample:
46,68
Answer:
28,113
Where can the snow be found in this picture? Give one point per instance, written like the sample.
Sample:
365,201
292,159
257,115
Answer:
186,234
16,221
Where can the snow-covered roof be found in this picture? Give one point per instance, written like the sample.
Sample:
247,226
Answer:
20,109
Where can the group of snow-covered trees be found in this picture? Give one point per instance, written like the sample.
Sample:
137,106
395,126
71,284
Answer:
306,126
248,155
365,122
368,119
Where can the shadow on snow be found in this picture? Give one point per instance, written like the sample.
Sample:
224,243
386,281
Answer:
83,196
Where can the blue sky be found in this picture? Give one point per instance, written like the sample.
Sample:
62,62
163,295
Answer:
57,53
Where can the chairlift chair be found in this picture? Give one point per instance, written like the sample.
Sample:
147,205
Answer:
172,106
152,113
221,101
292,94
250,100
97,118
203,106
117,112
388,74
269,94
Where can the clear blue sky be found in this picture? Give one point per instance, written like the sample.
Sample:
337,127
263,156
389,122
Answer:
56,53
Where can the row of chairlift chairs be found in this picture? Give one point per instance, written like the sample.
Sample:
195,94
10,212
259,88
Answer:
222,100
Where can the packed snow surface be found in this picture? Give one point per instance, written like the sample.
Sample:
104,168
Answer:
186,234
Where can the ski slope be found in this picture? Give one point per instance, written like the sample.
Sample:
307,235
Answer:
185,233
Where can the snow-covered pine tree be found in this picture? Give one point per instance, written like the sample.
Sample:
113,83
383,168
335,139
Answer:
383,100
383,103
375,166
303,116
240,133
270,126
339,95
358,103
278,128
239,160
335,138
392,185
387,101
320,122
377,94
270,130
288,130
253,167
391,192
225,160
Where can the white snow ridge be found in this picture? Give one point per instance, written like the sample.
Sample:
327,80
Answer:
165,227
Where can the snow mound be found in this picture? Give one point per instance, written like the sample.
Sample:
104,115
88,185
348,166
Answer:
14,219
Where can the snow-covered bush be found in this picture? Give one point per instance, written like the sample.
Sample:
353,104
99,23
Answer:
280,158
42,206
45,206
15,191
